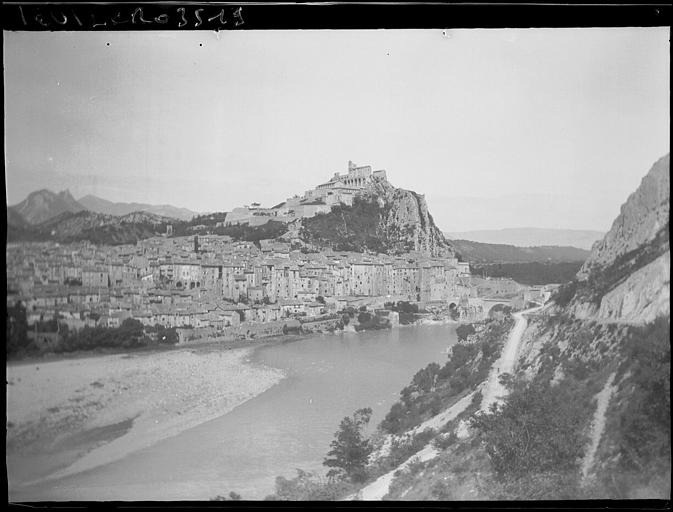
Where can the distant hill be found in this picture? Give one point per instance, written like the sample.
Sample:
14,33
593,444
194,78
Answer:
44,204
526,265
99,205
15,219
477,252
16,225
95,227
531,237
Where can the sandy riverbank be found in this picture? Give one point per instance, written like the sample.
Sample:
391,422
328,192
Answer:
69,416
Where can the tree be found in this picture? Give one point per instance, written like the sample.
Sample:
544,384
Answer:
425,378
350,449
17,328
364,317
454,312
464,330
320,299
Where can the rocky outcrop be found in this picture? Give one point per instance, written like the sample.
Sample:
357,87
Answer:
643,215
382,219
627,276
645,295
405,213
44,204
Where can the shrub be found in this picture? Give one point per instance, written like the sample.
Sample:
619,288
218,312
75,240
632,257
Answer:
538,429
309,487
444,441
565,293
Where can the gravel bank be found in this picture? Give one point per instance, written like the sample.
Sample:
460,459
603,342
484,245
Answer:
69,416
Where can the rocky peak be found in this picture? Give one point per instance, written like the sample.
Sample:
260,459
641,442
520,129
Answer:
382,219
642,216
627,275
44,204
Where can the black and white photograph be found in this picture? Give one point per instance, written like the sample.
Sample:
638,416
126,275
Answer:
343,263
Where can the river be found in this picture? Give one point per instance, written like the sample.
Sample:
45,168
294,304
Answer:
289,426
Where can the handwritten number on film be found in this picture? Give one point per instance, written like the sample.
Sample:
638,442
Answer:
53,17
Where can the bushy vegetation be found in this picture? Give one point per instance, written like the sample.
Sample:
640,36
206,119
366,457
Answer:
565,293
129,335
464,330
433,387
444,441
407,311
538,428
641,426
310,487
242,232
357,228
347,228
537,438
233,496
368,322
403,449
533,273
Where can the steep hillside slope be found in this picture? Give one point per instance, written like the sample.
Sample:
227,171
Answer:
96,228
44,204
627,276
640,220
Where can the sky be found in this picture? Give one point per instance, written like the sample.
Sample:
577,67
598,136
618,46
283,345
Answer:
504,128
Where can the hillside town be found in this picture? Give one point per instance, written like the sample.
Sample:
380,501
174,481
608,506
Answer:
212,287
215,284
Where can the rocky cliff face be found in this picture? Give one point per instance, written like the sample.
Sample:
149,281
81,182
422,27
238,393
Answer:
627,276
406,213
645,212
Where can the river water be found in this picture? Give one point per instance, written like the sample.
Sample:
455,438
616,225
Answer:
289,426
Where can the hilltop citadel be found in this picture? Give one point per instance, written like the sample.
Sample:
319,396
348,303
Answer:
213,286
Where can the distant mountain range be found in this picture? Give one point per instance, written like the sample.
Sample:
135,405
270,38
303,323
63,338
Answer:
43,205
96,204
531,237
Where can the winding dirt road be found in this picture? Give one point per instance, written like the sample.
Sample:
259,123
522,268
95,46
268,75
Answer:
493,390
